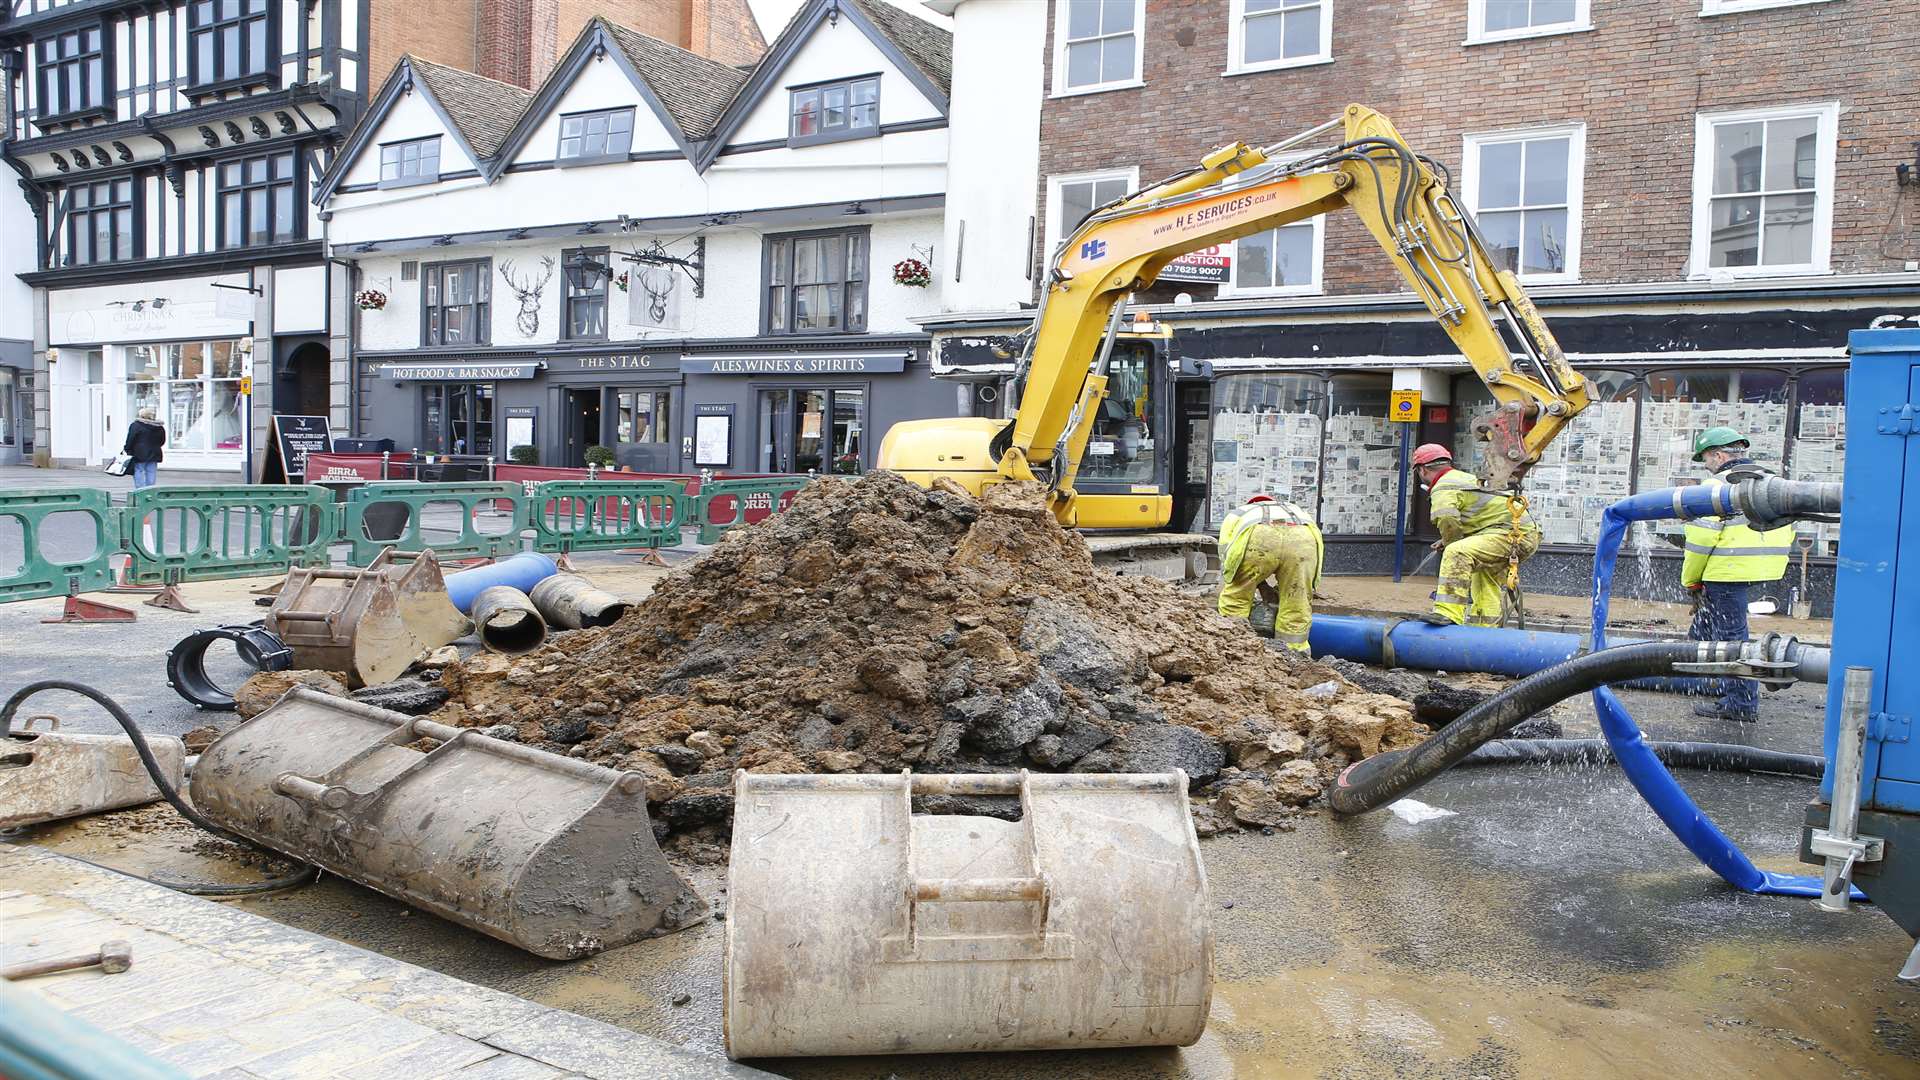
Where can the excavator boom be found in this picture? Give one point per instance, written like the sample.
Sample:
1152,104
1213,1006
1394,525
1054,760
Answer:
1404,203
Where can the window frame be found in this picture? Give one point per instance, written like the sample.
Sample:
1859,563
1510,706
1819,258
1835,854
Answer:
770,240
199,82
603,287
845,133
1478,34
421,177
102,55
1058,84
1228,289
71,218
1575,133
294,182
564,162
1711,8
1056,228
432,275
1700,252
1236,42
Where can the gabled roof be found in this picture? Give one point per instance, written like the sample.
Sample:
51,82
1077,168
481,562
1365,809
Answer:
687,92
477,112
922,51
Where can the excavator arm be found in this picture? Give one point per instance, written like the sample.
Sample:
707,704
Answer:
1403,201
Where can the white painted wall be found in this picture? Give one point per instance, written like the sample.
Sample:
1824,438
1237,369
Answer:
17,250
412,117
601,85
835,51
993,170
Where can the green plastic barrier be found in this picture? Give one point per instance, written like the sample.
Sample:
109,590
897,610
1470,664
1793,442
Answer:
742,502
40,1042
392,514
24,513
176,534
592,515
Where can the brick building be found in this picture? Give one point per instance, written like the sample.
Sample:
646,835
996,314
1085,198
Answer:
519,41
1700,194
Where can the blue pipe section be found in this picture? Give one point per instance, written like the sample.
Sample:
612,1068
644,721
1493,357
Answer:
1415,644
522,571
1643,769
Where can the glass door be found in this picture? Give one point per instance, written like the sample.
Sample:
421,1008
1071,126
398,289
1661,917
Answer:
642,439
776,431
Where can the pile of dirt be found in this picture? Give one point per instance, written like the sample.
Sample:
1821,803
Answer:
876,626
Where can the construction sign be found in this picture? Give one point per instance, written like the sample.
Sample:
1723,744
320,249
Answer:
1404,406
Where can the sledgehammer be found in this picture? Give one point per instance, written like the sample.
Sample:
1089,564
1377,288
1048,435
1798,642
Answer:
113,958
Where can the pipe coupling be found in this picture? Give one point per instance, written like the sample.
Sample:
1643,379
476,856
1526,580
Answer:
1771,501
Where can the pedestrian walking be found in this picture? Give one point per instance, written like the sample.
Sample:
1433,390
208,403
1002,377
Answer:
1725,557
146,445
1482,538
1271,545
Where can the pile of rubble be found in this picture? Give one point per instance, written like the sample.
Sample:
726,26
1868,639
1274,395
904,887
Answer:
877,626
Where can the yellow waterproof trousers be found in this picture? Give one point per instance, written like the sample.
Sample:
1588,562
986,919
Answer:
1287,554
1472,571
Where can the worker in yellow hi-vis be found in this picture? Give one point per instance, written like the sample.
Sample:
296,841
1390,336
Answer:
1484,536
1271,545
1725,556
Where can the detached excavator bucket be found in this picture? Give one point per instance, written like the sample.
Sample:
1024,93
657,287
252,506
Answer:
547,853
859,927
367,624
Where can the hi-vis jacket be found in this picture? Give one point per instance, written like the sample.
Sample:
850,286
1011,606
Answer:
1728,549
1238,529
1462,508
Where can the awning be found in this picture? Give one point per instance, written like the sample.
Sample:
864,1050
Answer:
461,372
796,364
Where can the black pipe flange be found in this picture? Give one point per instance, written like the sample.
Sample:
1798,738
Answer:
259,647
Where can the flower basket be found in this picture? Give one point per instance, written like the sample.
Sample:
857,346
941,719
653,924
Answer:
912,273
622,281
370,300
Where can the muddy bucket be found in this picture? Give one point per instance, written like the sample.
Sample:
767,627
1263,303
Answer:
859,927
367,624
547,853
48,775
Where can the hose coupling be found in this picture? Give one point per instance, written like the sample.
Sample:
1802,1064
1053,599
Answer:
1775,661
1771,501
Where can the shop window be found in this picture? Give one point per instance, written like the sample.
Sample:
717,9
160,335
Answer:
1524,191
100,223
586,309
455,304
73,73
457,418
230,40
1120,447
1582,472
816,283
849,109
1097,44
193,388
1763,191
1269,34
641,416
589,138
1267,430
1819,447
1360,459
1504,20
813,430
1071,198
415,161
257,204
1681,403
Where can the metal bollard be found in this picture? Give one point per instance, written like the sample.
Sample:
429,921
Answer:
1840,841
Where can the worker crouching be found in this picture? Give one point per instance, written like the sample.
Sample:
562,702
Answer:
1273,546
1484,535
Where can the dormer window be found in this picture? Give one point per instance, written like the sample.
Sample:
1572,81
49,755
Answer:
592,137
416,161
229,41
73,73
829,112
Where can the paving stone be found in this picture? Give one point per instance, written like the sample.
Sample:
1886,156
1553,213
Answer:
342,1050
441,1054
507,1067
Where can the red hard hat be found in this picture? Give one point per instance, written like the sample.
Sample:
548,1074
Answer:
1430,453
1262,497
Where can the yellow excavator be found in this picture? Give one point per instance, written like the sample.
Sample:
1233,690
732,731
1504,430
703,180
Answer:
1082,375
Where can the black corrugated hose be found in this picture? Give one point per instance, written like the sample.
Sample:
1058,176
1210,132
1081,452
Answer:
302,876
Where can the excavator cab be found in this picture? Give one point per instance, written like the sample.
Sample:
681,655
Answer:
1142,468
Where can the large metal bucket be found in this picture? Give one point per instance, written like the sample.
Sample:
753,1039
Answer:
858,927
49,775
550,854
367,624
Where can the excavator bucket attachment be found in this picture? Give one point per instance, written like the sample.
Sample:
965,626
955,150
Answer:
860,927
547,853
367,624
51,775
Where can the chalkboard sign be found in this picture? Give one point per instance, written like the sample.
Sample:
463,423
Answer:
294,437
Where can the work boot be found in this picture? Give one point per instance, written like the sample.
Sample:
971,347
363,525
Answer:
1434,618
1713,711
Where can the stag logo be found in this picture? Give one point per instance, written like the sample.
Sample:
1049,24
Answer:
529,292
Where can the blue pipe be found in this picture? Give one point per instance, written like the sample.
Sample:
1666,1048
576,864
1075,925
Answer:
522,571
1643,769
1415,644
